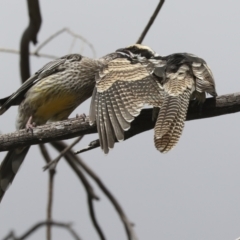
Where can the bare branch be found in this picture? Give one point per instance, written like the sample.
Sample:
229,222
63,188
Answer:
50,201
47,133
92,145
72,45
75,127
83,39
49,39
71,159
29,35
127,224
45,153
94,219
52,164
50,188
145,31
11,235
25,49
14,51
70,32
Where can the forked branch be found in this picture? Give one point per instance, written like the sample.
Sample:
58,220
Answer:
68,227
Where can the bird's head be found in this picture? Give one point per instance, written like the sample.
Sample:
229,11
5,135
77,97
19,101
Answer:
138,49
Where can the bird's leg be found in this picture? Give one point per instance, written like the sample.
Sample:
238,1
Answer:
82,116
30,125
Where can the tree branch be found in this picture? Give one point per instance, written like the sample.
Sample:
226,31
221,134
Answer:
127,224
77,160
74,127
53,163
70,32
91,196
11,235
151,20
14,51
52,172
29,35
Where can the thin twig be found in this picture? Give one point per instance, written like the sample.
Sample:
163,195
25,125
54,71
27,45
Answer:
72,45
127,224
83,39
50,189
71,159
45,153
49,39
60,146
14,51
92,145
94,219
145,31
52,164
123,217
36,52
67,226
50,202
70,32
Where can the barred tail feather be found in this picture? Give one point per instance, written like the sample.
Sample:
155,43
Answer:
170,122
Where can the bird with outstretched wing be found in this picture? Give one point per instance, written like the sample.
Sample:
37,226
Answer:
136,76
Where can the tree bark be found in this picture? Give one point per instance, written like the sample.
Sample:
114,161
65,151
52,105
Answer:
74,127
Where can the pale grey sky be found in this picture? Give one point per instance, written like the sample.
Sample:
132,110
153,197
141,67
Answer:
190,193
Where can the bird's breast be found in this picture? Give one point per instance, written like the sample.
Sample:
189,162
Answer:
57,107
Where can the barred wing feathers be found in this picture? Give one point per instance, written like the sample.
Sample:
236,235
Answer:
170,122
122,89
204,78
186,77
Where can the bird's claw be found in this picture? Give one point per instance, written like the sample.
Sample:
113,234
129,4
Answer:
30,125
82,116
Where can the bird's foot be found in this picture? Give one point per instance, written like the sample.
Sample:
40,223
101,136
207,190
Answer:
82,116
30,125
